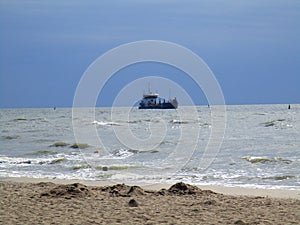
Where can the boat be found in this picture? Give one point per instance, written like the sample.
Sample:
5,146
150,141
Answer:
153,101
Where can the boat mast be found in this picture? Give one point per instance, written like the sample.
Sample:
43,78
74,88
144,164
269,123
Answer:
149,92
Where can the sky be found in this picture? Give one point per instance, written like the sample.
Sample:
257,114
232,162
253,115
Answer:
251,46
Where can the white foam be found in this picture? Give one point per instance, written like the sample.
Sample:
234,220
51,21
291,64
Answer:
101,123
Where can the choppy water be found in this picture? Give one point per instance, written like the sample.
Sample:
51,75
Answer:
261,146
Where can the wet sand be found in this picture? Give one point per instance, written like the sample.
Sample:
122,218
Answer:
31,201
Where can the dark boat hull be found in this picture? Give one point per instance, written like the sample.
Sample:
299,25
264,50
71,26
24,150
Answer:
159,106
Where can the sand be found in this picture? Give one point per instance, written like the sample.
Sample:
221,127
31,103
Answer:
36,202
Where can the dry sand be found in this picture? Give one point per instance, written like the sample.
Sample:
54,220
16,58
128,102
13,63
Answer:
56,203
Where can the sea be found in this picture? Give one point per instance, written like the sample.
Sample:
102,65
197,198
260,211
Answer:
258,145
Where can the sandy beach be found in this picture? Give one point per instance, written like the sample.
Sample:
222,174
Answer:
31,201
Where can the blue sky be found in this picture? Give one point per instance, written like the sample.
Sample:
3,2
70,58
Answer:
252,47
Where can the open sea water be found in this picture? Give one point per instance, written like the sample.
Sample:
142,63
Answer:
260,148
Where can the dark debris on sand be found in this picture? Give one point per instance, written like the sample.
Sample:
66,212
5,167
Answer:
184,189
123,190
75,190
187,189
78,190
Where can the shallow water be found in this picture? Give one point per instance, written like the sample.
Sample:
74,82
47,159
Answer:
261,146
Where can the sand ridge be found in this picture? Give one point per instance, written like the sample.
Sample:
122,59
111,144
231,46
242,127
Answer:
76,203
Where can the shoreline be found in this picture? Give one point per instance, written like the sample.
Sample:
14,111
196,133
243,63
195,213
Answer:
226,190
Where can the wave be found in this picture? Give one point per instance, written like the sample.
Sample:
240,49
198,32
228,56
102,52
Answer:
105,168
134,121
257,159
75,145
10,137
31,119
145,120
20,119
165,142
57,160
116,167
152,120
28,161
123,153
43,152
42,140
135,151
101,123
279,177
205,125
259,114
79,167
59,144
276,123
79,145
179,122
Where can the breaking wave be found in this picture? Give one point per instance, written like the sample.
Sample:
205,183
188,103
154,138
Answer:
279,177
101,123
106,168
28,161
125,153
179,122
257,159
122,153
